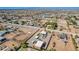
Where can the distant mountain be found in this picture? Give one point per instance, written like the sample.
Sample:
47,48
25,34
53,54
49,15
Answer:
39,8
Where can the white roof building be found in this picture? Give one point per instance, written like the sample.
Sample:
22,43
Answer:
39,44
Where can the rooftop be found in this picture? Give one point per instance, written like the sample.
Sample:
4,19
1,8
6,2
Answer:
1,38
2,32
39,44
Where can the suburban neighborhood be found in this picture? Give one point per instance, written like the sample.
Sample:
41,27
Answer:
39,30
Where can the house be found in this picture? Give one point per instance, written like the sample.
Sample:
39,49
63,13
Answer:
8,27
10,30
43,34
2,33
39,44
63,37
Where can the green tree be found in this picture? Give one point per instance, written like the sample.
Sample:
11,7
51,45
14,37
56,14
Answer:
16,22
24,45
23,22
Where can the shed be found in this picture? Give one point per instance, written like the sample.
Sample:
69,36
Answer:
63,36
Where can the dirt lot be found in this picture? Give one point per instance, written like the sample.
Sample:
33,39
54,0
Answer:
60,45
11,44
10,36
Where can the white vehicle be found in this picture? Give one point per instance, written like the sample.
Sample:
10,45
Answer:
36,37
